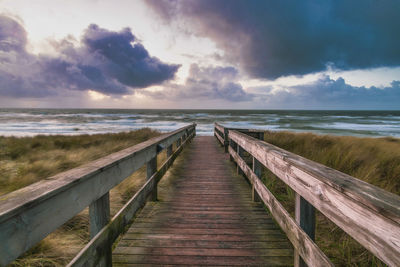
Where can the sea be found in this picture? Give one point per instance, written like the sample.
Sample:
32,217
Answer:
32,122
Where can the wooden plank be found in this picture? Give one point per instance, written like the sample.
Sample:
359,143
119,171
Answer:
203,260
300,240
151,168
201,225
369,214
99,216
89,254
237,237
194,231
24,213
305,217
257,169
203,244
203,251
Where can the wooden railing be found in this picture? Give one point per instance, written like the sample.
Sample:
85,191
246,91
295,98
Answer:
28,215
367,213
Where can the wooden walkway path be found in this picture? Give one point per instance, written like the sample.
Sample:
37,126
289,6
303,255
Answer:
206,217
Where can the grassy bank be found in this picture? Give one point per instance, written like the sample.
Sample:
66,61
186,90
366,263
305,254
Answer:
24,161
374,160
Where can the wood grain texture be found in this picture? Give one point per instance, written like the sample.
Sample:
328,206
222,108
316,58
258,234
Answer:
367,213
24,213
99,216
309,251
93,253
206,217
305,217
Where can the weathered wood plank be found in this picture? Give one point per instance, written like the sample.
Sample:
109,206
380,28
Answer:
203,260
207,218
367,213
203,243
305,217
309,251
257,169
151,168
168,251
99,216
24,213
90,253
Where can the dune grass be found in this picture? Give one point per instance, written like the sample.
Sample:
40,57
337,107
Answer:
374,160
24,161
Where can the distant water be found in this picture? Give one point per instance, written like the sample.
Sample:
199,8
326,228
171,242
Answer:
30,122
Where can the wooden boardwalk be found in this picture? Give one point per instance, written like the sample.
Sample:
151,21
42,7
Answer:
205,217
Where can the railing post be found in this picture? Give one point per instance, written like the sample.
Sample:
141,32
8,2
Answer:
226,139
178,142
305,217
240,153
261,136
99,216
151,168
257,169
169,151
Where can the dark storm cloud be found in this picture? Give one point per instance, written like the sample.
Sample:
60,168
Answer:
206,83
327,93
270,38
105,61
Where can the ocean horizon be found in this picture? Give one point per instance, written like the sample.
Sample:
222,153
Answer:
32,122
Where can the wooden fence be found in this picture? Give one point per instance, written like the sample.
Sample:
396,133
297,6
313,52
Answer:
367,213
28,215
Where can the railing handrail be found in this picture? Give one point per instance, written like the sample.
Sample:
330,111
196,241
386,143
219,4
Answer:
369,214
24,213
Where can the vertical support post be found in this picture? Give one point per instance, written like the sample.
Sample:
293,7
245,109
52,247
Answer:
257,169
261,136
240,153
178,142
99,216
226,139
305,217
234,147
151,168
169,151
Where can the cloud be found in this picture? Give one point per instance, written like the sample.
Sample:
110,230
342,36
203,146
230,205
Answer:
270,39
327,93
206,83
104,61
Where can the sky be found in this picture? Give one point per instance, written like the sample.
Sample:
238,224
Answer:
225,54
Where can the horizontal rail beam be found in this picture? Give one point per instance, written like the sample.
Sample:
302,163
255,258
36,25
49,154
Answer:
25,213
309,251
91,255
367,213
